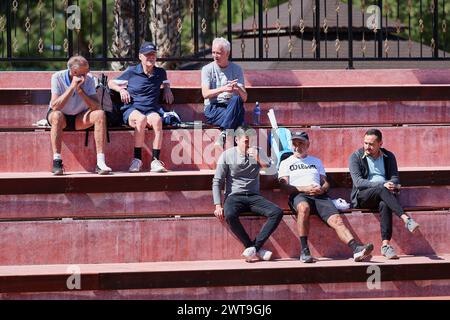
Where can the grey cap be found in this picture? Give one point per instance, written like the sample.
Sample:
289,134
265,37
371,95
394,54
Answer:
299,135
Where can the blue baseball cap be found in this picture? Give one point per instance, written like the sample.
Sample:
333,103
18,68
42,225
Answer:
147,47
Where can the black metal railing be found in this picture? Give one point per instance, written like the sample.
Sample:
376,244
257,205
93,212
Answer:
111,31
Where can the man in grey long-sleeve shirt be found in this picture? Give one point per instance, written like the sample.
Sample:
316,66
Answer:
239,168
375,181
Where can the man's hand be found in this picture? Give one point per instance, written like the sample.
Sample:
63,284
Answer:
77,82
168,95
253,152
230,87
125,96
390,186
311,190
219,212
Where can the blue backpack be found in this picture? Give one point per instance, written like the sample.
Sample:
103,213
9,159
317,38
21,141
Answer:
281,144
279,140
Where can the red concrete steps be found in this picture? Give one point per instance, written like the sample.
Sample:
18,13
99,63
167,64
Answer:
397,77
199,238
172,203
229,279
292,113
188,149
46,183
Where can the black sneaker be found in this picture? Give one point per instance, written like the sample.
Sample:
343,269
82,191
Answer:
363,252
58,168
305,256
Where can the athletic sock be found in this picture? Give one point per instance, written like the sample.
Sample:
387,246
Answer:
101,161
138,153
57,156
304,242
353,244
156,153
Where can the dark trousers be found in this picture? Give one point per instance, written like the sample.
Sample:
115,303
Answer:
238,203
383,200
226,116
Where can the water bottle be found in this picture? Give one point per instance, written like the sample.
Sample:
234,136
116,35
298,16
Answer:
257,114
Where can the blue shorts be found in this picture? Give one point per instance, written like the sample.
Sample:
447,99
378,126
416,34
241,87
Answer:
145,111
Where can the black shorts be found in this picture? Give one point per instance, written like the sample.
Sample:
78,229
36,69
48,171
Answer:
70,120
320,205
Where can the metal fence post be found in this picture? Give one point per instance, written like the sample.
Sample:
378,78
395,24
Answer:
196,31
260,29
229,27
8,30
350,34
105,38
435,29
318,29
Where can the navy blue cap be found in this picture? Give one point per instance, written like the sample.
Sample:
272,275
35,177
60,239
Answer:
300,135
147,47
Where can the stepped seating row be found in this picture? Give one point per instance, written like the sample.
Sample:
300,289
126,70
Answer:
189,149
306,114
108,240
220,280
171,203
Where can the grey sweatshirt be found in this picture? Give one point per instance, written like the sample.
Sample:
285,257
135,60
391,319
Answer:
240,174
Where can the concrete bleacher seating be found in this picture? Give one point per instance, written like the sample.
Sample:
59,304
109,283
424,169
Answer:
160,226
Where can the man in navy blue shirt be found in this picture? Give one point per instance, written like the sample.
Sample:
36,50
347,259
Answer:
139,87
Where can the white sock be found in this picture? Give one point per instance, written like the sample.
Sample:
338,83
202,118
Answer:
57,156
101,162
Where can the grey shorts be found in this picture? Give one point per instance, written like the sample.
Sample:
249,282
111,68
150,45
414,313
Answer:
319,205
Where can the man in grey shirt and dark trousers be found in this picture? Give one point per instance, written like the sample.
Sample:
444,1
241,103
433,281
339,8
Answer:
375,182
223,89
239,168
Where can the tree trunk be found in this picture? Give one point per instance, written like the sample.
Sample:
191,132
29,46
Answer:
165,23
123,45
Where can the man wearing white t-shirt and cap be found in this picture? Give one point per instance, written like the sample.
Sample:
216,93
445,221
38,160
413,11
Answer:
303,177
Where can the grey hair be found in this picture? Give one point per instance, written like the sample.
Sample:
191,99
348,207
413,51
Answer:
77,61
222,42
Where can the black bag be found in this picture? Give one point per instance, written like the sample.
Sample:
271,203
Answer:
110,102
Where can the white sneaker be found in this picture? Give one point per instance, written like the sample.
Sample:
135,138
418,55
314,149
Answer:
157,166
265,255
102,169
249,254
136,165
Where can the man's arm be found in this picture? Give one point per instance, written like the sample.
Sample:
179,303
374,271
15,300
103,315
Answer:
240,90
393,174
91,101
324,186
208,93
57,101
289,189
218,180
286,187
355,172
167,93
260,156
